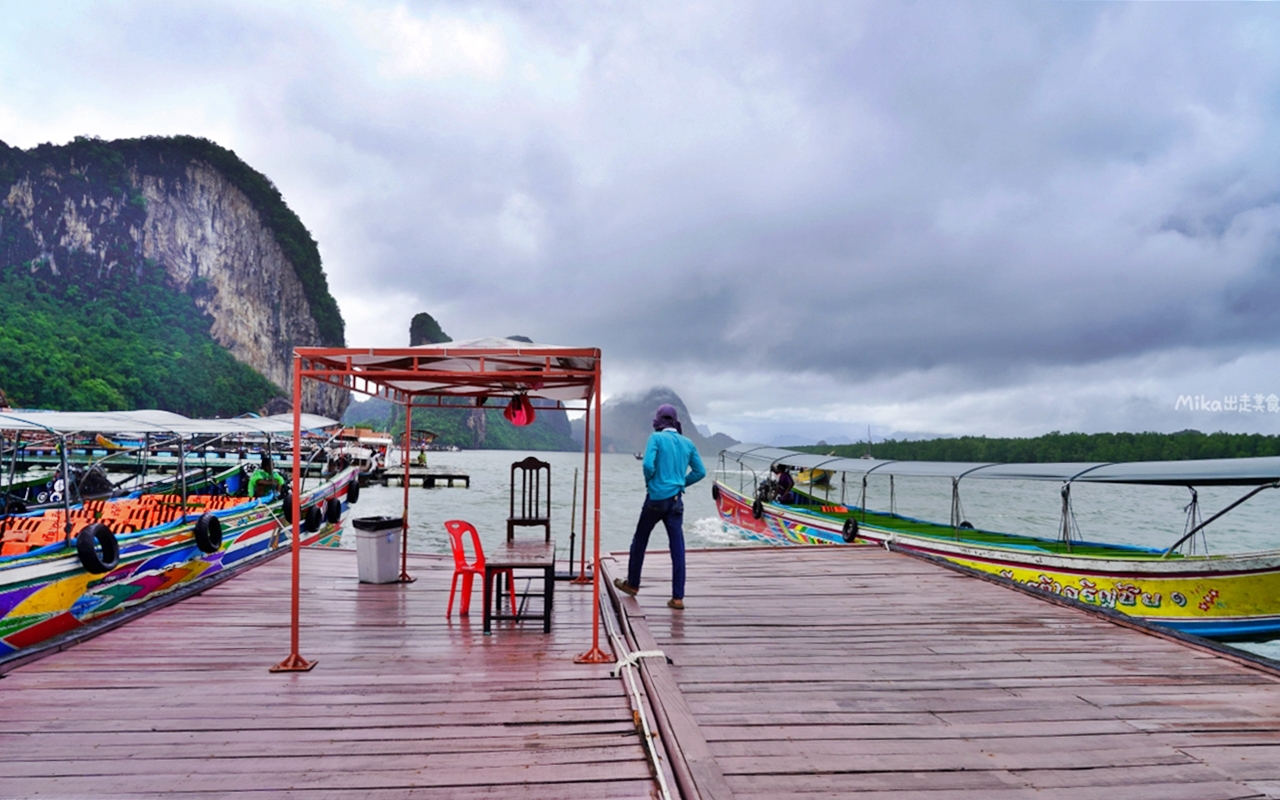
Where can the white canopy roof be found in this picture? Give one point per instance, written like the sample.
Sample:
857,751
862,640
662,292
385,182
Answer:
152,421
1201,472
475,368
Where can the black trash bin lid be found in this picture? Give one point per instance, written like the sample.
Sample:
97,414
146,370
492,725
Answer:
378,523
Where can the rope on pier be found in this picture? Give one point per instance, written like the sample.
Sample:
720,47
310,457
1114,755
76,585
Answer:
637,698
633,660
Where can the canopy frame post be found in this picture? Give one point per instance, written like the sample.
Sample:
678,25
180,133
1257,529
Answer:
405,577
595,655
182,472
66,489
295,662
1205,524
955,506
586,481
1068,516
863,502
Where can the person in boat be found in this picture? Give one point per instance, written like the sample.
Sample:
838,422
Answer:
671,464
264,480
786,484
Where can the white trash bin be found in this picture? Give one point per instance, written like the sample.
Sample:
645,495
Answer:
378,548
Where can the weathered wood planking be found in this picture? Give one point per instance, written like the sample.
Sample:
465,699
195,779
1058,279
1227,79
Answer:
820,672
403,703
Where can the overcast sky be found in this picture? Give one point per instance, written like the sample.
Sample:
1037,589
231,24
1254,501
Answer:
988,218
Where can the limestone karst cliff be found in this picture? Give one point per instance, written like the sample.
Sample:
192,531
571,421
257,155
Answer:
627,421
189,211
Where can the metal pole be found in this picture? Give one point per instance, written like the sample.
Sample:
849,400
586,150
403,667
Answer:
595,655
586,480
573,516
404,520
1202,525
182,473
66,488
295,662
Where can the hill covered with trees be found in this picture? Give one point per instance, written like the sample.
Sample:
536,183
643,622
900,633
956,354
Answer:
1057,446
160,272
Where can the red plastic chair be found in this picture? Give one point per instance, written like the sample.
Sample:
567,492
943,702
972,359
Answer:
456,528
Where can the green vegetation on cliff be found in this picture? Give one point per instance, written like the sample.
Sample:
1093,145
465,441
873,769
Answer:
423,329
114,342
113,164
86,322
1056,447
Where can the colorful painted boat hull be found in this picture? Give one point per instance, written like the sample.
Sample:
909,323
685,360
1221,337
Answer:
50,595
1220,597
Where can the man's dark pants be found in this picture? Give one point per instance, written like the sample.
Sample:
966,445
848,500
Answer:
671,513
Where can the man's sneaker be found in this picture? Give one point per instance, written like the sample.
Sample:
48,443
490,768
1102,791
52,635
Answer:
623,586
675,602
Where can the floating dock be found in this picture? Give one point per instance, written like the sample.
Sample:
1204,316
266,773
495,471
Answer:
796,672
424,477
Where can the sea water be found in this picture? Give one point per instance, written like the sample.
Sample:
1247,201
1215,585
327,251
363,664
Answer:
1148,516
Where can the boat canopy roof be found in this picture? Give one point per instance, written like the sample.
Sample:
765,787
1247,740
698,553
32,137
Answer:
1202,472
152,421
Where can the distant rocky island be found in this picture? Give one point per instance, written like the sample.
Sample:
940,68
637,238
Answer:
627,421
161,272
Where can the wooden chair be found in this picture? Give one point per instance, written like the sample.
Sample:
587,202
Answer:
534,508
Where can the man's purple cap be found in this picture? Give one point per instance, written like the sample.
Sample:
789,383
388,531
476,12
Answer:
665,417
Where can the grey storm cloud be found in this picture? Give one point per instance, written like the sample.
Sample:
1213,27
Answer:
863,190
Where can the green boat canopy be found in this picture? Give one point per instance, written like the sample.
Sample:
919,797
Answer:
1202,472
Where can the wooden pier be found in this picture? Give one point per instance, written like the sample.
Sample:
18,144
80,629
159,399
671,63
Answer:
403,702
821,672
797,672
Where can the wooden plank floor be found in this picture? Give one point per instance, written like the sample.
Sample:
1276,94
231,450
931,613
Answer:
402,704
819,672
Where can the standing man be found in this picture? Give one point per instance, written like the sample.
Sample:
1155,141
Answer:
671,464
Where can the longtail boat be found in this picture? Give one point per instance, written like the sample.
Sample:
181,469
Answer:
63,570
1229,597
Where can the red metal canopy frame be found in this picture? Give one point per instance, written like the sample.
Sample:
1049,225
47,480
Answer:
470,373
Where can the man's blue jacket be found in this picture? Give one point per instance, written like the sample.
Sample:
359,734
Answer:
671,463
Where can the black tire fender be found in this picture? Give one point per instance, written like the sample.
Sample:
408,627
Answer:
715,492
353,490
333,511
757,509
208,533
850,530
287,509
98,549
966,525
312,519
